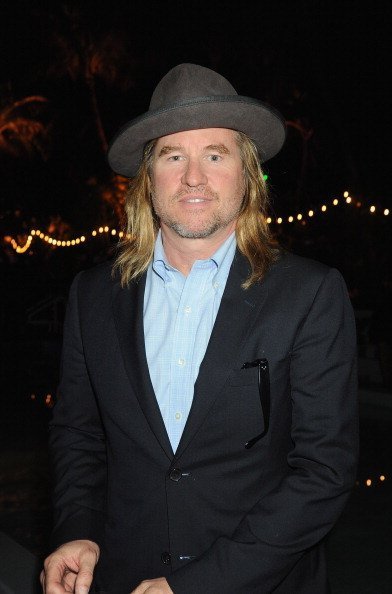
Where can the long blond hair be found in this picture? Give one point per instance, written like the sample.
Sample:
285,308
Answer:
254,239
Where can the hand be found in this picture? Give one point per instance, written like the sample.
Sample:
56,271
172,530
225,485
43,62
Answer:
70,568
157,586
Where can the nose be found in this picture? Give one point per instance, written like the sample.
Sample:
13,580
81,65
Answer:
194,175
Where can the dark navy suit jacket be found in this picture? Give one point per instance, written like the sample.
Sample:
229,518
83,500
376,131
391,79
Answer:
216,517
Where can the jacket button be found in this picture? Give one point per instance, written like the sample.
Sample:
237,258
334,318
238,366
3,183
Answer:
165,558
175,475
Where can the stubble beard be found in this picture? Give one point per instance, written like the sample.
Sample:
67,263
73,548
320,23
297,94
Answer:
187,233
208,228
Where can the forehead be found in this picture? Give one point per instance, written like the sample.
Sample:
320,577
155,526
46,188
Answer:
199,138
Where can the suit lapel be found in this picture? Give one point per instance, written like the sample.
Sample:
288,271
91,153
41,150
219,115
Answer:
128,314
236,315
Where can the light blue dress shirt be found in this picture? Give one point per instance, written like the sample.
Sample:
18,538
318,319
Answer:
179,314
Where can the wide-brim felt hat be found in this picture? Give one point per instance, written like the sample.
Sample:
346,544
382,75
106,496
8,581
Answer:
190,97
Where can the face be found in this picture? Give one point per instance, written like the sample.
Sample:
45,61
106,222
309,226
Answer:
197,183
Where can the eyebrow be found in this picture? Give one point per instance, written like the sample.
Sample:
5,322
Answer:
169,149
219,148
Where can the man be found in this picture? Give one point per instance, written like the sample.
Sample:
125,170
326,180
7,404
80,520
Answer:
205,434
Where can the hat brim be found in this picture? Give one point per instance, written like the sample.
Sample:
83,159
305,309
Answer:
261,123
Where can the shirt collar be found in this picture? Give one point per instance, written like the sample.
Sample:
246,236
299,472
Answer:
159,262
227,246
161,266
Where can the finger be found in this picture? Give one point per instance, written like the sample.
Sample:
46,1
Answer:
69,582
83,582
142,587
85,573
53,575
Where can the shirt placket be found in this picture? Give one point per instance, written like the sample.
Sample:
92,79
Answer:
184,342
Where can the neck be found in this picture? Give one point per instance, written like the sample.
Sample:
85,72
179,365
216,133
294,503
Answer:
181,252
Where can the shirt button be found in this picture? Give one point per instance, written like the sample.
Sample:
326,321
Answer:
181,362
165,558
178,416
187,309
215,285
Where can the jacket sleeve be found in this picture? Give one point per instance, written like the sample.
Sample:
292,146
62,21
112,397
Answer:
321,465
77,442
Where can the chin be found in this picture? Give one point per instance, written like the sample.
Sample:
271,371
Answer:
192,231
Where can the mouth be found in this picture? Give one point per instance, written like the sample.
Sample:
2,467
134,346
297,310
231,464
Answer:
195,199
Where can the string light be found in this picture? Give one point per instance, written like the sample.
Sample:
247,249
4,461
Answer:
374,482
105,229
49,400
369,482
20,249
324,208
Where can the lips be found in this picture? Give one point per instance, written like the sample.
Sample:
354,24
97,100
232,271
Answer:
195,203
192,199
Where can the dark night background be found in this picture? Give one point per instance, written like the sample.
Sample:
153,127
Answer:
71,73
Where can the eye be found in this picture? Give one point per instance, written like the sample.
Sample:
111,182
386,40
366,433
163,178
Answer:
215,158
174,158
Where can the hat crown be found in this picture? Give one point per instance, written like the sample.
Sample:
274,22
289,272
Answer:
187,81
